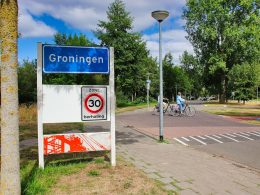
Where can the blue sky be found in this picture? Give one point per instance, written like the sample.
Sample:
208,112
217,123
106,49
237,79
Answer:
39,20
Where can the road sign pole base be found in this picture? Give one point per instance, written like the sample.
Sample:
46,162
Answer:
161,138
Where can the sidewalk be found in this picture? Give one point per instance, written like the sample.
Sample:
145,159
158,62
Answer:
185,170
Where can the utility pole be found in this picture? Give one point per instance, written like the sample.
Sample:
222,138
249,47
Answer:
148,82
175,90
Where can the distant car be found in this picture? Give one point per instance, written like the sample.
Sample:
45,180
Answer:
202,98
211,98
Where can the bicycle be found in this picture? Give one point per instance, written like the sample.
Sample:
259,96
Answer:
187,111
166,105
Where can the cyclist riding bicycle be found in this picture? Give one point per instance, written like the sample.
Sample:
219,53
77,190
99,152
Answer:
180,102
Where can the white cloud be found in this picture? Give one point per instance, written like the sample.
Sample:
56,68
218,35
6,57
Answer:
173,41
84,15
28,27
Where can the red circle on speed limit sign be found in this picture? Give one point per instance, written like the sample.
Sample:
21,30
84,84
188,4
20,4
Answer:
94,103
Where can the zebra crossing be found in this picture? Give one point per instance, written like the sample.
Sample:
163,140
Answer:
219,138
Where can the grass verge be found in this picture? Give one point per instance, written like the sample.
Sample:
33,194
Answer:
87,175
131,108
247,116
236,112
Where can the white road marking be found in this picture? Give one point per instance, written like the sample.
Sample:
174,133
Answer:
257,132
244,133
229,138
230,135
185,139
180,142
253,134
216,136
201,137
243,136
198,140
214,139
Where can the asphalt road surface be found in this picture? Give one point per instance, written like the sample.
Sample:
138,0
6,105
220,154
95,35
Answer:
218,135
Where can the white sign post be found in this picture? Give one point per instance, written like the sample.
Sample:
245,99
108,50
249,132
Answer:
75,103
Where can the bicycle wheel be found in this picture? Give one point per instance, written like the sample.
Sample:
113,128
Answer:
190,111
173,111
156,111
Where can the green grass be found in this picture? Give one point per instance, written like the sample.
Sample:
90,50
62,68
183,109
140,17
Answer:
133,107
99,160
235,112
94,173
174,183
165,141
39,181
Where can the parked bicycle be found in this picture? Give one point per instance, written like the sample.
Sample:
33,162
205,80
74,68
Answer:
187,111
166,106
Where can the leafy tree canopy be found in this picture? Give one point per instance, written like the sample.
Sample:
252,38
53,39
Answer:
243,81
223,34
131,55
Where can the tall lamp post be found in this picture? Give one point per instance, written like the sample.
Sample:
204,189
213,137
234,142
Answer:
160,15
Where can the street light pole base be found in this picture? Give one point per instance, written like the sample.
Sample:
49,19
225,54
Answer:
161,138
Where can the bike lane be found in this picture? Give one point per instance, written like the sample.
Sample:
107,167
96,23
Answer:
200,124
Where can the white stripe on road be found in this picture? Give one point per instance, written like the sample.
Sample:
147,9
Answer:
230,135
185,139
214,139
216,136
198,140
229,138
181,142
201,137
257,132
243,136
253,134
244,133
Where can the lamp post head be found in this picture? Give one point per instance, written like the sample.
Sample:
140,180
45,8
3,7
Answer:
160,15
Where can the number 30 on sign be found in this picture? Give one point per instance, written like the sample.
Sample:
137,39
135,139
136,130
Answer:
93,103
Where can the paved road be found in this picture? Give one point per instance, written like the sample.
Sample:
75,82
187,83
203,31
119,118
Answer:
218,135
185,170
175,127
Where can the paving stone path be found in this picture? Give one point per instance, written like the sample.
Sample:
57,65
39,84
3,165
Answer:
185,170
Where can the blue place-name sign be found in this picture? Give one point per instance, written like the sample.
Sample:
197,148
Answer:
74,59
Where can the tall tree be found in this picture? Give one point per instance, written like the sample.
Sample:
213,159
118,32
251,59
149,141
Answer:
223,34
192,67
10,158
175,78
27,81
243,81
131,55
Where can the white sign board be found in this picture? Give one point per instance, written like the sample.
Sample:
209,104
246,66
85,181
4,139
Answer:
63,104
93,103
75,103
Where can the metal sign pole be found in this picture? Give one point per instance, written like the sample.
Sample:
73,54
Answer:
257,94
112,110
39,105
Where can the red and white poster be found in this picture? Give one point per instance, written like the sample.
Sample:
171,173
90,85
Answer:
78,142
94,103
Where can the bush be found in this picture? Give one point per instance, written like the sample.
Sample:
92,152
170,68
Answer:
122,100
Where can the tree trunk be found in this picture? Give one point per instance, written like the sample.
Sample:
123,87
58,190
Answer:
222,98
10,158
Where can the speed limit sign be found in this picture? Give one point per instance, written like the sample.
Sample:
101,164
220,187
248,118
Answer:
94,103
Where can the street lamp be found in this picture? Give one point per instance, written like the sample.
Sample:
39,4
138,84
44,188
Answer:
160,15
148,82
